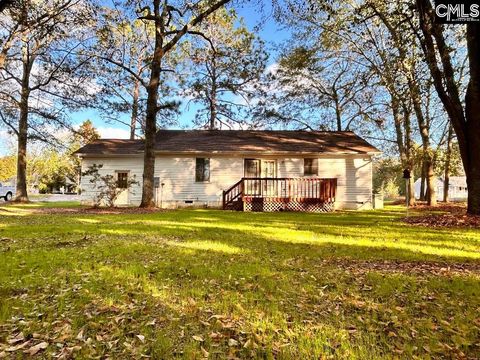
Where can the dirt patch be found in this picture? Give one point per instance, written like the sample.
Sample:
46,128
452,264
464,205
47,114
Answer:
105,211
409,267
444,215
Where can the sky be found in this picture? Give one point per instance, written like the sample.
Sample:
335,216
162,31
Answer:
253,15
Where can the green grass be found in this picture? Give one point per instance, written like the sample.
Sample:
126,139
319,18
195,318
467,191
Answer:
261,285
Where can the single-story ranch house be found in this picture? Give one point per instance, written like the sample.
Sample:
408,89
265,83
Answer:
242,169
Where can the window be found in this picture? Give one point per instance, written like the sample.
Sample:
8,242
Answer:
310,167
202,170
122,180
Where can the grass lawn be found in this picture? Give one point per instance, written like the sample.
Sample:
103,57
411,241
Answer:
208,283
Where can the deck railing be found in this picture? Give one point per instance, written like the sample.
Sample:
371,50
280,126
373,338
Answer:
280,189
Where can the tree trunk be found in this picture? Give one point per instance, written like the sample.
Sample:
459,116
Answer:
448,159
427,166
408,151
472,114
431,183
134,117
151,115
213,95
21,195
422,184
338,111
27,63
465,121
411,191
404,142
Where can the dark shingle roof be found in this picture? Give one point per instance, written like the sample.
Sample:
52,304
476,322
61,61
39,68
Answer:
237,141
112,147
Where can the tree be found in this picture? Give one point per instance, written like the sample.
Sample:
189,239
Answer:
349,35
52,166
171,24
226,68
315,81
405,43
7,167
85,134
465,119
41,62
124,41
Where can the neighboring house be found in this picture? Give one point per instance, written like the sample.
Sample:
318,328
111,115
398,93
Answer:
242,169
457,188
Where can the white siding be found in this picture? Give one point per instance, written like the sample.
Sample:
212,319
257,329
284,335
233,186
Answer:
132,164
353,174
177,173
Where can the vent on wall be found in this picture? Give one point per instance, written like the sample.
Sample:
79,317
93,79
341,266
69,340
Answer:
188,201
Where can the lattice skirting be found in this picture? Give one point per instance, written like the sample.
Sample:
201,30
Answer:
260,205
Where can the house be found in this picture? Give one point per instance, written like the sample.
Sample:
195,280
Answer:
457,188
242,169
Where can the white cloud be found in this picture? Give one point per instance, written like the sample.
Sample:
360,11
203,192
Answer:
272,68
113,133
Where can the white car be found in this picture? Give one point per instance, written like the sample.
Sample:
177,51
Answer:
7,192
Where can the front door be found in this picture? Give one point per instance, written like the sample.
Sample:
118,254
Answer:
252,168
269,171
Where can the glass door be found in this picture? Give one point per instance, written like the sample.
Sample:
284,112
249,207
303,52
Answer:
252,170
269,171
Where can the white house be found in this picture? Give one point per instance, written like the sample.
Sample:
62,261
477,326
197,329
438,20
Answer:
457,188
243,170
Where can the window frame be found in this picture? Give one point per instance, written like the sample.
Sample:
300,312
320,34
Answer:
313,165
205,166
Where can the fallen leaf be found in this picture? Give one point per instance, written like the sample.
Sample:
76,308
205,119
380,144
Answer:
232,342
18,347
16,339
197,338
204,352
141,338
248,344
36,348
215,335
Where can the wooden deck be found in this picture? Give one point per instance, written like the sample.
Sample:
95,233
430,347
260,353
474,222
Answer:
281,194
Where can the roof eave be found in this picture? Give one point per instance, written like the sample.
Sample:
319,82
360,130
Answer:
235,153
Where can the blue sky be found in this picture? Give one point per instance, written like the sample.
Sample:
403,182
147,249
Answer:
252,14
